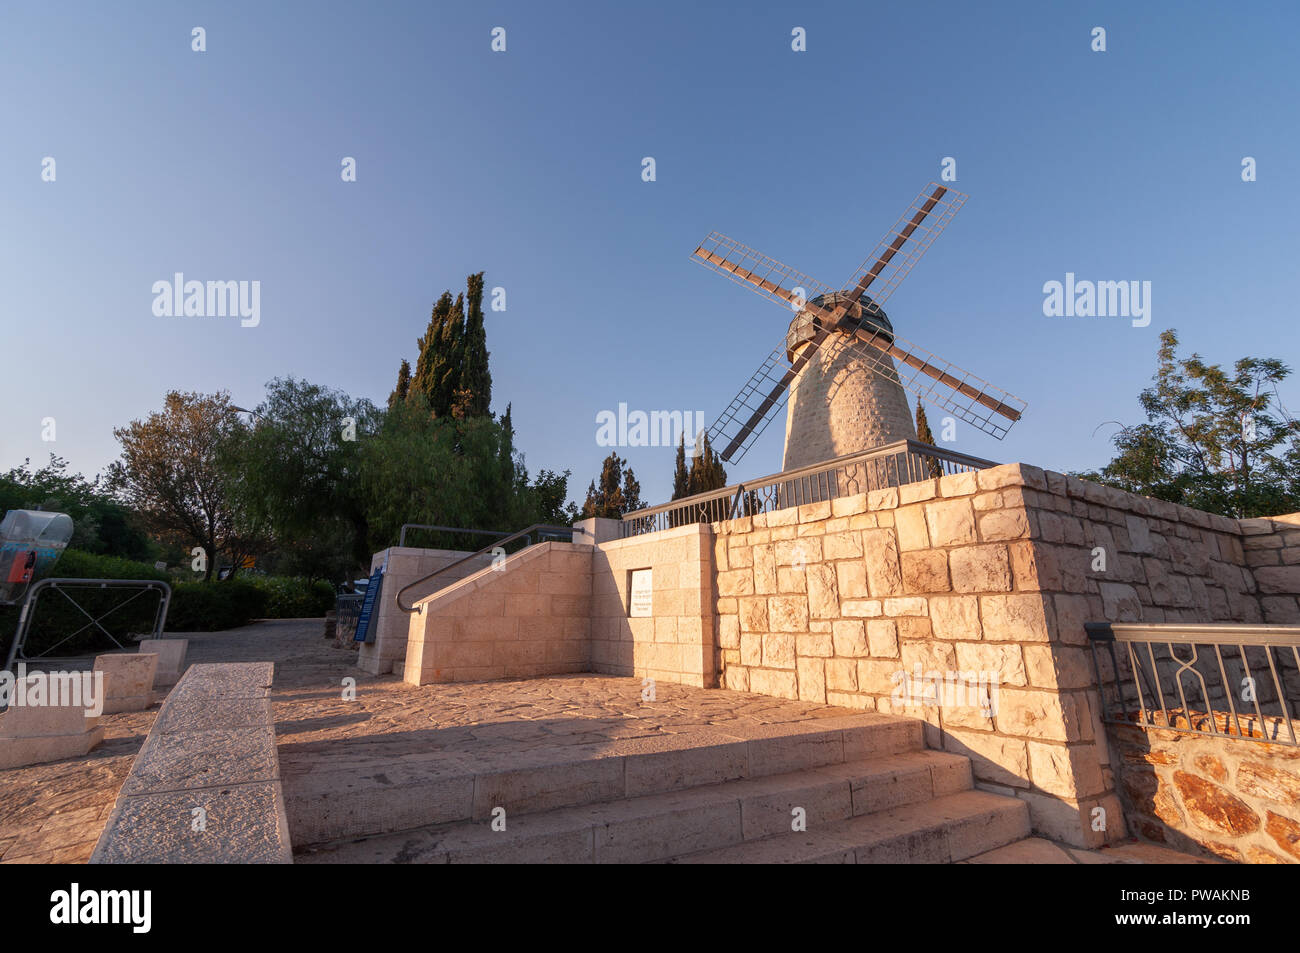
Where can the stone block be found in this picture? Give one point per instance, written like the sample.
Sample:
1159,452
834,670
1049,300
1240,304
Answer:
980,569
128,680
951,523
171,658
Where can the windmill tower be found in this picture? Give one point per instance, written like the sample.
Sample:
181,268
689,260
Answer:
840,365
838,403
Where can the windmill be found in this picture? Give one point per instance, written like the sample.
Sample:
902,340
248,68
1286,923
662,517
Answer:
840,364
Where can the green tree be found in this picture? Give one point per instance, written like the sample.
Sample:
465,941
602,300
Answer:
925,435
1215,440
475,390
681,476
618,491
707,472
299,469
101,524
171,473
403,387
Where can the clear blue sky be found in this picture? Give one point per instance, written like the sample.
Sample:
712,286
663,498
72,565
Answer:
1123,165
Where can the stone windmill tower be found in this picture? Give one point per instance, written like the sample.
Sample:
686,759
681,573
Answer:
840,365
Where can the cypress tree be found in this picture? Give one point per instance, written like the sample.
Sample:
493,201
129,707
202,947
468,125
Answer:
403,385
681,478
707,472
451,354
431,363
476,378
925,435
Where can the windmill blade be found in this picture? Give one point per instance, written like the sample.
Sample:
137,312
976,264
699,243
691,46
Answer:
756,271
966,396
904,244
761,399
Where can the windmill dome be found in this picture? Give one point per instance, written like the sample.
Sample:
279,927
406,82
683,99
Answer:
801,328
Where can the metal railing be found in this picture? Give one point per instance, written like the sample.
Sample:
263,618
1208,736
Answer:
892,465
456,530
541,529
17,650
1233,681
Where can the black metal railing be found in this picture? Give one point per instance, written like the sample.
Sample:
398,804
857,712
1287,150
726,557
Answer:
542,530
892,465
1235,681
453,531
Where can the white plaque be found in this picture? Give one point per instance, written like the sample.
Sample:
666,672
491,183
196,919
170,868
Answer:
642,594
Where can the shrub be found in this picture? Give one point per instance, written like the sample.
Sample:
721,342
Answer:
291,597
211,606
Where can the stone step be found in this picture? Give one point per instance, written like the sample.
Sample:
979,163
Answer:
660,826
326,805
945,830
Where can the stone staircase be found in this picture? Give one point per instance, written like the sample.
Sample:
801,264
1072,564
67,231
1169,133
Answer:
869,792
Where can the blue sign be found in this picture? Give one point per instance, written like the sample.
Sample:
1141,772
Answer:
368,606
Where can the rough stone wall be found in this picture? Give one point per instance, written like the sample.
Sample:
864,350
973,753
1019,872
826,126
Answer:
1273,552
674,645
839,405
1237,800
993,571
529,617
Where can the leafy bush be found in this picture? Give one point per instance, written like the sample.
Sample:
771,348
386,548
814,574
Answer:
212,606
290,597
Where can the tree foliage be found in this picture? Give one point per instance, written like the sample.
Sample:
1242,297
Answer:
618,491
100,523
925,435
1214,439
170,473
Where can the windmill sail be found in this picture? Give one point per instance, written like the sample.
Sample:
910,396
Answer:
839,320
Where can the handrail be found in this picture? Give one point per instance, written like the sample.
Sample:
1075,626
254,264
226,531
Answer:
1200,690
522,534
645,520
401,538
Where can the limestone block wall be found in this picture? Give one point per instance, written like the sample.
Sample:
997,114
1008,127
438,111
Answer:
847,601
676,644
528,616
405,565
1272,549
1235,800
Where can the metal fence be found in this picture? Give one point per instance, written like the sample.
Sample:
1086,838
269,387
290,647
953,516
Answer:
1235,681
96,614
892,465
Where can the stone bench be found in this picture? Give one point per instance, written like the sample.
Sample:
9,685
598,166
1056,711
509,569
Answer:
34,731
205,787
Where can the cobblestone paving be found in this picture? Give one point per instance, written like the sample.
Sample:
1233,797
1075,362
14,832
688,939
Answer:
53,813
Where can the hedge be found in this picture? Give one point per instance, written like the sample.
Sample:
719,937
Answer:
195,606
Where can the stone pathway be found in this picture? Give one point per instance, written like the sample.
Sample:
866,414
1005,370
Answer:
54,813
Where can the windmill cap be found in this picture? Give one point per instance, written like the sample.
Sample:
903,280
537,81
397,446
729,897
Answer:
801,328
